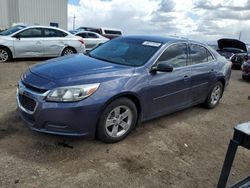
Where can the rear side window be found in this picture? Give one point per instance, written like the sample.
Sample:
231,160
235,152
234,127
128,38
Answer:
112,32
31,33
92,35
199,54
54,33
175,56
94,30
83,35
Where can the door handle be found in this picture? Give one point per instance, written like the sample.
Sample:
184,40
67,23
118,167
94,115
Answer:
186,78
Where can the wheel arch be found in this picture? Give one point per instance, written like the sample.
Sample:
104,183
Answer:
130,95
65,47
223,81
11,53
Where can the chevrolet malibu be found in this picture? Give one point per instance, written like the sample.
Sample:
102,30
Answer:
38,41
119,84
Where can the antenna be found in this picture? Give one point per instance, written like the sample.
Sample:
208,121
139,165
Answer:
74,22
240,35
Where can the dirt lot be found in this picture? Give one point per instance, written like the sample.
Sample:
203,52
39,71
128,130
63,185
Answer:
185,149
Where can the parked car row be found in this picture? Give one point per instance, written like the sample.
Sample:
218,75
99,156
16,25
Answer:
38,41
106,32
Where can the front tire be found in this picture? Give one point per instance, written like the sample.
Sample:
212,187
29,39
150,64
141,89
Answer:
214,96
117,120
5,55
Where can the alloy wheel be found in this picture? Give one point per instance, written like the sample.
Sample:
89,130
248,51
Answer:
4,56
215,95
118,121
68,52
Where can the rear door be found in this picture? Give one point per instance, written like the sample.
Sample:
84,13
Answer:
203,71
170,91
29,43
54,42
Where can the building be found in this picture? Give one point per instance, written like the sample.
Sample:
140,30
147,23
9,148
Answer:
40,12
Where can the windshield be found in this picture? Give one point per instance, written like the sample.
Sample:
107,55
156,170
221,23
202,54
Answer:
234,50
12,30
125,51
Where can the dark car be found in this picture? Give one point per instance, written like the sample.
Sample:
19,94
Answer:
246,70
106,32
233,50
119,84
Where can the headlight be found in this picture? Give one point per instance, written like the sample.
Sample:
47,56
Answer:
72,93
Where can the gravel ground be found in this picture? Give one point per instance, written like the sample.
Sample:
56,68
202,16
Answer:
184,149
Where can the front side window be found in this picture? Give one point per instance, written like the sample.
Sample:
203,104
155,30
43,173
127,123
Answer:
199,54
31,33
175,56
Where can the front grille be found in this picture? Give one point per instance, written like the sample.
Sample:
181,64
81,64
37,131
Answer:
35,89
27,103
246,69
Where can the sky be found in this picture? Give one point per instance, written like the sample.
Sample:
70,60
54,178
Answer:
203,20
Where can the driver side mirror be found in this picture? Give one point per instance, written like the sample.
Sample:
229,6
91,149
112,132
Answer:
16,36
162,67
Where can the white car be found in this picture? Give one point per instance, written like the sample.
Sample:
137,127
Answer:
91,39
38,41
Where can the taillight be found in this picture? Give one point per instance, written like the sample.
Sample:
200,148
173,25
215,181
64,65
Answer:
81,41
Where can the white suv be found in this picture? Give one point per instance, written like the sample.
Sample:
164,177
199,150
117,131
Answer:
38,41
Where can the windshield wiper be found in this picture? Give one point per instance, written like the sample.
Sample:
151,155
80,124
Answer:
102,59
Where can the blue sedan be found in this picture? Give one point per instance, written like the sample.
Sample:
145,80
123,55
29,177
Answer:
119,84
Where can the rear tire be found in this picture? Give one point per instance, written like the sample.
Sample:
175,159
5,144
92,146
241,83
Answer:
214,96
244,77
117,120
5,55
68,51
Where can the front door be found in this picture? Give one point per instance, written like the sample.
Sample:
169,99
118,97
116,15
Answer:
29,43
170,91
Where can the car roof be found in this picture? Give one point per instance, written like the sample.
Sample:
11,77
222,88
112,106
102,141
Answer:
86,32
162,39
47,27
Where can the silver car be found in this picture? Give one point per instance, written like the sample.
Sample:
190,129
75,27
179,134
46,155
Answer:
91,39
38,41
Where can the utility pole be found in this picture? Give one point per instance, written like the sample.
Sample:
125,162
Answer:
74,22
240,35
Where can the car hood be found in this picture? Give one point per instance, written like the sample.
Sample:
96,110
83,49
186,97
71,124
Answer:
76,68
231,43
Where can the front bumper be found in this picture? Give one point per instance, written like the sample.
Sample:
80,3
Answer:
69,119
246,70
246,74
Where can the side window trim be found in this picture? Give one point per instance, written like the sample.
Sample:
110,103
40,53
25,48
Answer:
207,50
18,34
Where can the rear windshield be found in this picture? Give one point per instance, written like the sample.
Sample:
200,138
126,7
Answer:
125,51
12,30
112,32
233,50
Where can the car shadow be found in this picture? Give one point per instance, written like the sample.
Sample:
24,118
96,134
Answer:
29,59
